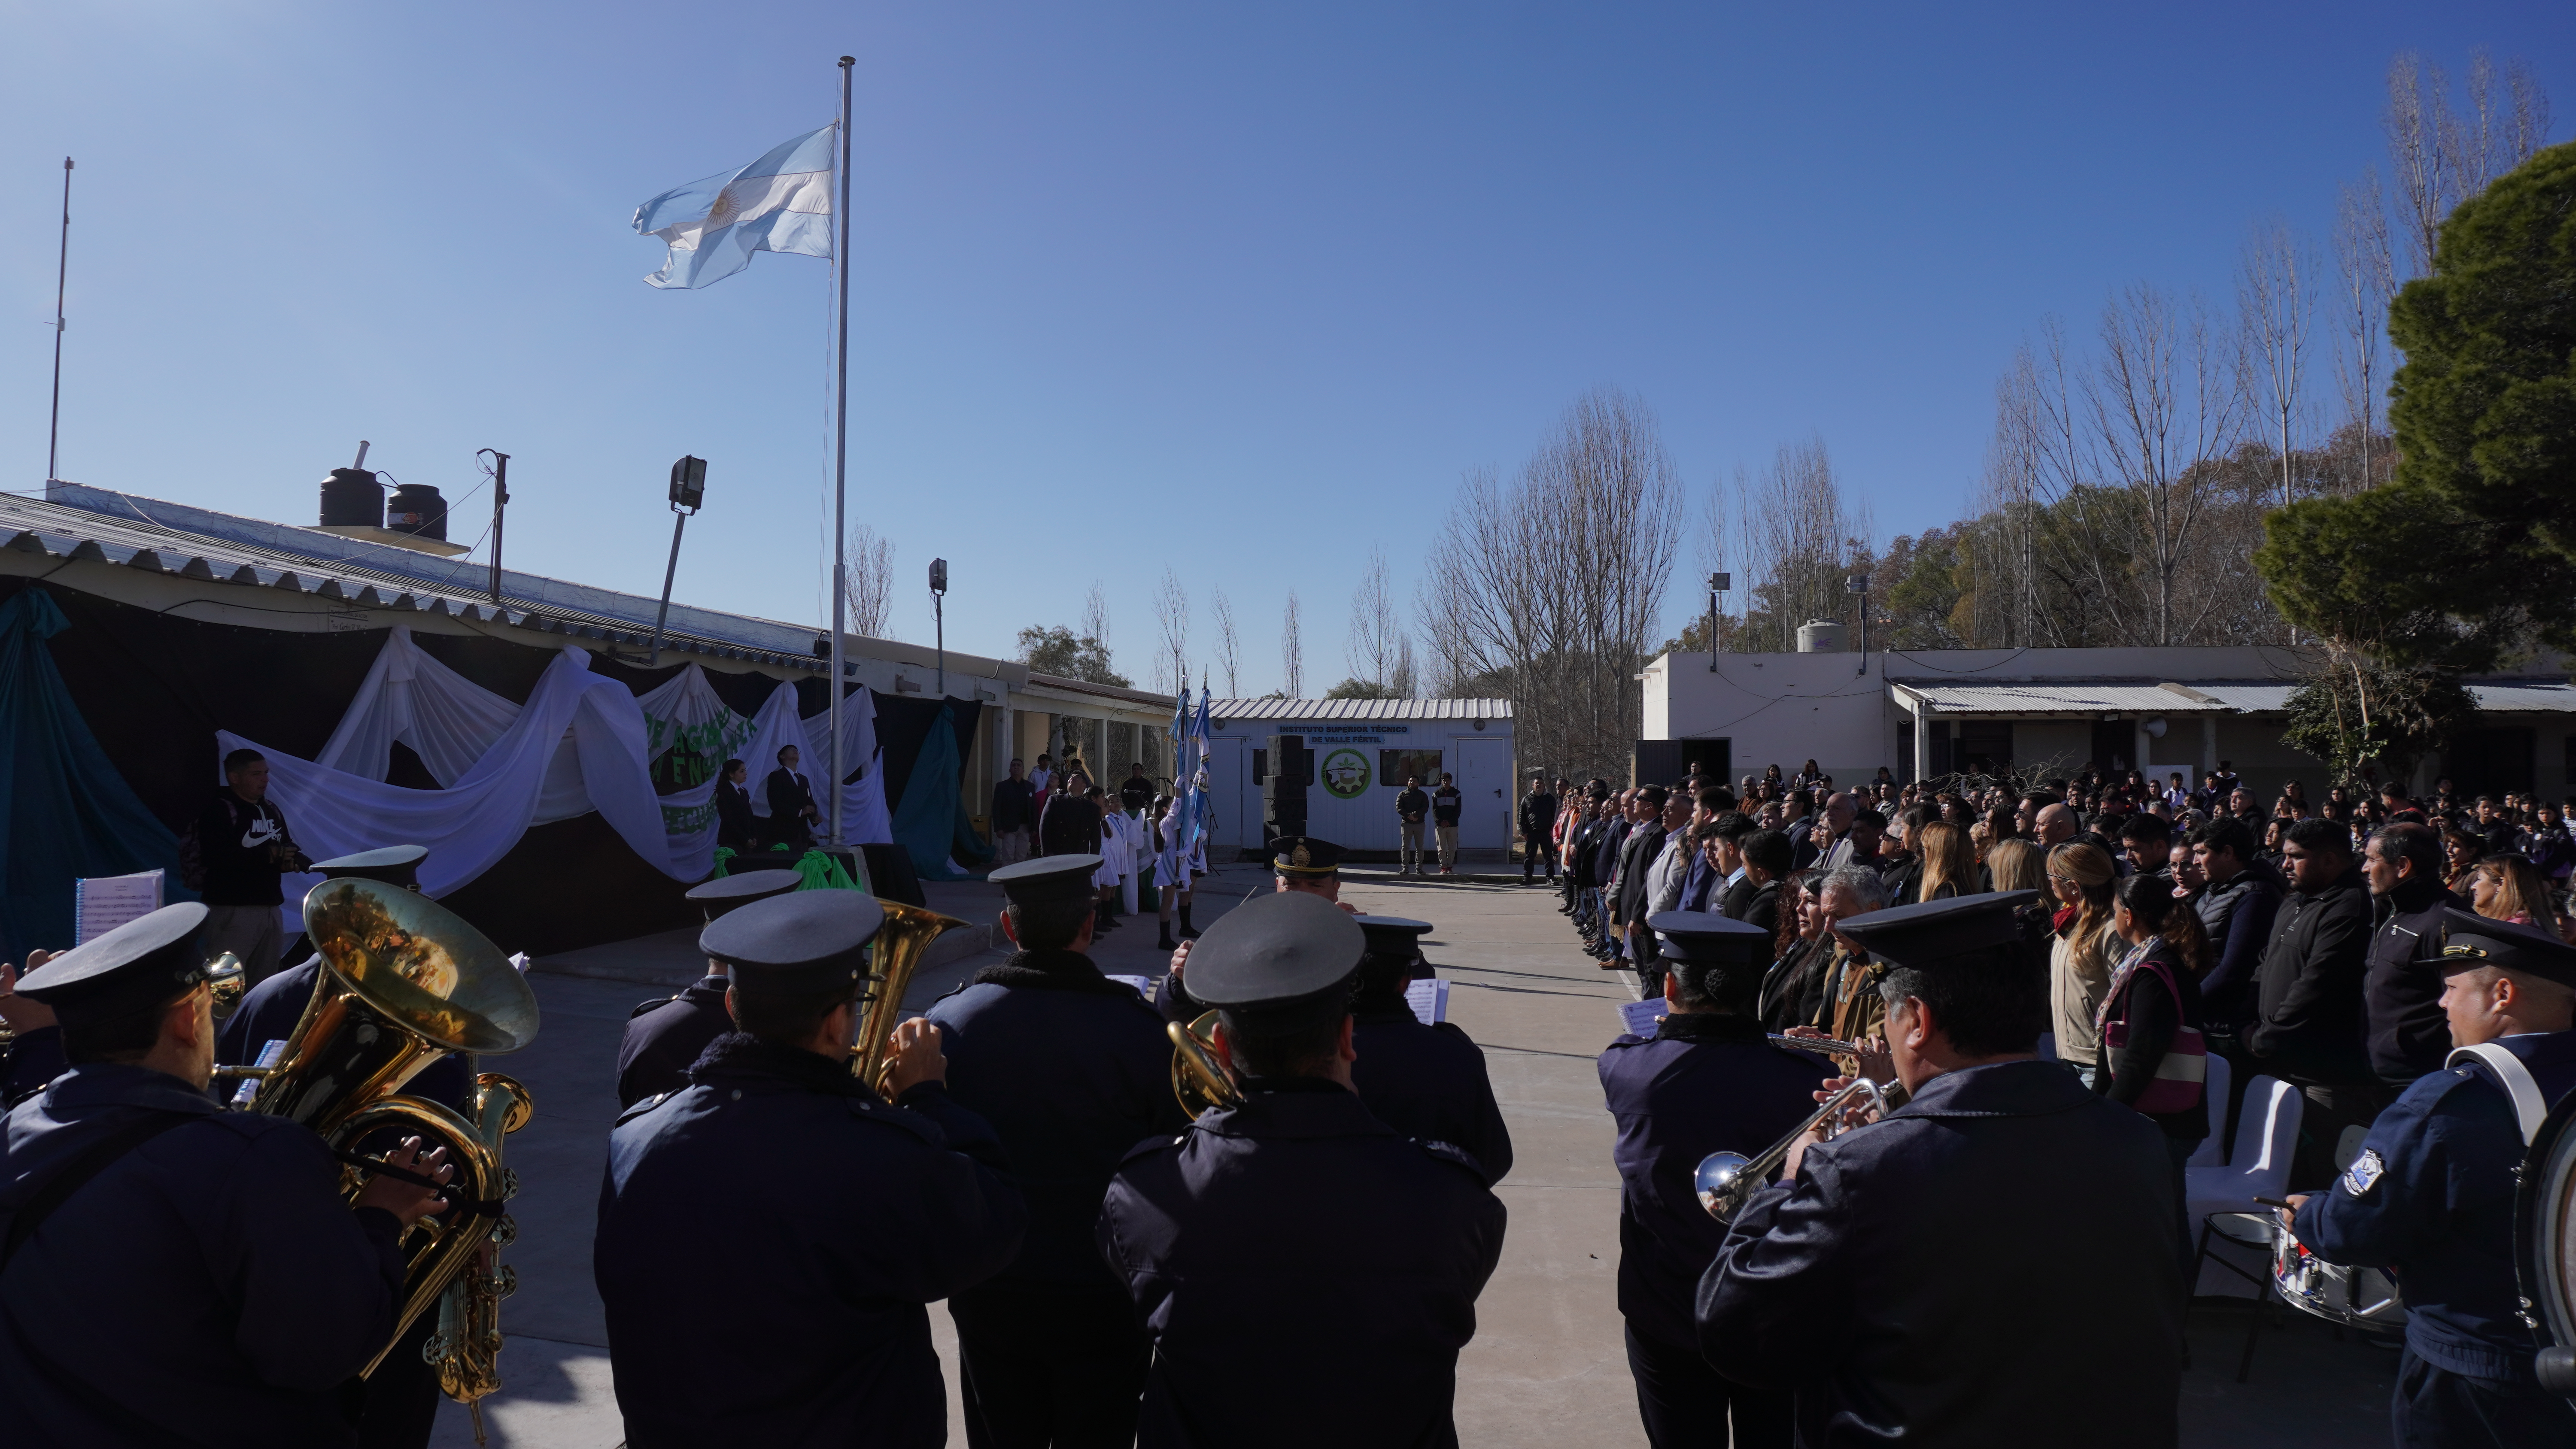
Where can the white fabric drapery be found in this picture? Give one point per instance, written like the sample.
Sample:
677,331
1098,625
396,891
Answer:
581,742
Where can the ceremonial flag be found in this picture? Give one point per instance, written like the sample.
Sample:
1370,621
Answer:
779,203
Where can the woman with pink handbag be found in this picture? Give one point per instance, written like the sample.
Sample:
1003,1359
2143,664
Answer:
2154,1058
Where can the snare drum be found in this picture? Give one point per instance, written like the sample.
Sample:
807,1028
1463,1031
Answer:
2356,1297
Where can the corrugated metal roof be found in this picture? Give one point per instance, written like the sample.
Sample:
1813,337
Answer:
102,526
2525,695
1360,709
2106,698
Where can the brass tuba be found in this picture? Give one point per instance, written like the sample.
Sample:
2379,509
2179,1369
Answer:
1199,1075
893,957
405,981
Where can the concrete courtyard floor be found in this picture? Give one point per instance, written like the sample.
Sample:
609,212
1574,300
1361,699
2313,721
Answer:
1546,1369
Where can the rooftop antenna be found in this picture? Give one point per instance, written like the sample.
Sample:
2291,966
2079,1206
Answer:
62,268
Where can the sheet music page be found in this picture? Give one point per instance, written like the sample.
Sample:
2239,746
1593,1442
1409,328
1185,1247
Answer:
101,903
1429,1000
1637,1018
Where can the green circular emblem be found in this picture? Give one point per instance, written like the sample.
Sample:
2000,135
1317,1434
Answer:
1346,774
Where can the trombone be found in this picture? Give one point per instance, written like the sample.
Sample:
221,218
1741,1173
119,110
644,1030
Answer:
1726,1181
1824,1045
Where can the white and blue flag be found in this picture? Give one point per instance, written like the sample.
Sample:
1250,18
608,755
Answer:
779,203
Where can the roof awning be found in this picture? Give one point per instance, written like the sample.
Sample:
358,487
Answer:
2196,697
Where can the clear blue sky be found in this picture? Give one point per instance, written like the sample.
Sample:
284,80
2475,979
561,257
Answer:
1234,289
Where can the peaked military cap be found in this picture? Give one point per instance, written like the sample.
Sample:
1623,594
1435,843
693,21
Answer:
1393,937
796,944
730,893
393,864
149,960
1305,856
1278,963
1707,938
1047,878
1926,935
2471,940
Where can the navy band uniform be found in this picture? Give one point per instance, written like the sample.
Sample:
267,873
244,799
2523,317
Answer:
1708,1080
214,1262
1422,1080
665,1035
1256,1242
770,1236
1988,1263
1072,1069
2431,1195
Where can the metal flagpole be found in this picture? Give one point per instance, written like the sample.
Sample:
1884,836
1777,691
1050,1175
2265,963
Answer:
840,445
62,266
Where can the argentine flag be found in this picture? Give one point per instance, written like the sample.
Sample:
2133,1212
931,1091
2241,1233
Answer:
779,203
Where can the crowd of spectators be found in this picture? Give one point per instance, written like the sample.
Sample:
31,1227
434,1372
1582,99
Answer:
2298,938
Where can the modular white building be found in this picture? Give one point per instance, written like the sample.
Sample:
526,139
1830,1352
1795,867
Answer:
1363,749
2160,710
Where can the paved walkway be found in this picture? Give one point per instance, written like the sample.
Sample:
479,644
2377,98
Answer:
1546,1369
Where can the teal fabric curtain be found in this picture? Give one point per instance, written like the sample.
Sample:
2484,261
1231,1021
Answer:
65,812
927,823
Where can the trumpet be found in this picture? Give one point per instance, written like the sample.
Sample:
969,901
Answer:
1826,1045
1726,1181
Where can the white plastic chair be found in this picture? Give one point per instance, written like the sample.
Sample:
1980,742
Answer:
2267,1133
2213,1148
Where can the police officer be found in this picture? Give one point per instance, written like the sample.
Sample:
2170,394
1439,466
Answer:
174,1271
1308,1274
2432,1192
1708,1080
1306,864
1423,1081
1072,1069
664,1035
807,1324
1988,1265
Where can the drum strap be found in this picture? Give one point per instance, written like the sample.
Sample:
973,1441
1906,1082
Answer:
2529,1107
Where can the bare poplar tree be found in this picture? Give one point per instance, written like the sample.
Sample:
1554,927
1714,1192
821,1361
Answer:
1292,651
2419,113
1229,647
1800,538
1555,580
869,582
1172,614
1095,615
2366,280
2167,402
1403,678
1370,645
2276,295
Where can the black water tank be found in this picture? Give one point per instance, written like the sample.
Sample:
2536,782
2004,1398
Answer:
352,496
417,509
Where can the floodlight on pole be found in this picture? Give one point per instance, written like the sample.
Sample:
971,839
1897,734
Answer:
688,492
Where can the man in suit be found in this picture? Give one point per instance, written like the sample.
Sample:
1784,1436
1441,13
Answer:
1955,1314
1636,857
1756,899
790,796
1828,844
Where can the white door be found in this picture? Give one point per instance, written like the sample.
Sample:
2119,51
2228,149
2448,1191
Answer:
1484,773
